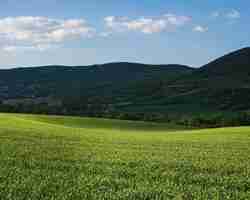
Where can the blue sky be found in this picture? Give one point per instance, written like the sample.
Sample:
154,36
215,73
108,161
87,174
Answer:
87,32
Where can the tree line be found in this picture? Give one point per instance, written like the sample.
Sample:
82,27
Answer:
201,120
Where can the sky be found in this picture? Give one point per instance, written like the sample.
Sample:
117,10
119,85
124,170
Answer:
85,32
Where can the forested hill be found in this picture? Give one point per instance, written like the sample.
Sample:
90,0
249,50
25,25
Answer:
81,80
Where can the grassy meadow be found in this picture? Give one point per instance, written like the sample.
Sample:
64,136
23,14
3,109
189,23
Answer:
51,157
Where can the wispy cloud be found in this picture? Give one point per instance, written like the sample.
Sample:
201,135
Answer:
105,34
233,14
200,29
31,32
17,48
230,14
215,14
146,25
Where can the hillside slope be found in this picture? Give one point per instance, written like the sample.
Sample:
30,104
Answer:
43,158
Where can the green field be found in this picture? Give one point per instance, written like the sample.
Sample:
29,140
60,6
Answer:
79,158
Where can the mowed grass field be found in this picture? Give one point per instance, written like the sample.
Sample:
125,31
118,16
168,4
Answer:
44,157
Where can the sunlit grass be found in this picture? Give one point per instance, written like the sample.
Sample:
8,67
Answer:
79,158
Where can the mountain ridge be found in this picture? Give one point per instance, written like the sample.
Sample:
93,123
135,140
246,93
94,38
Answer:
108,64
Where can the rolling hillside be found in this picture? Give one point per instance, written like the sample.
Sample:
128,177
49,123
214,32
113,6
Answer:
51,157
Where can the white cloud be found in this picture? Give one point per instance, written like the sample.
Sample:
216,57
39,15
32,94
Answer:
200,29
38,32
146,25
233,14
176,20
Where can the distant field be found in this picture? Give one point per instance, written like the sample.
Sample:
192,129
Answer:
61,158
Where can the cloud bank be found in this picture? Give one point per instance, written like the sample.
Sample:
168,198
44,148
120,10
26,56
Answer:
146,25
31,32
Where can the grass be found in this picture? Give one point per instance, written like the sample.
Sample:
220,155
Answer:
79,158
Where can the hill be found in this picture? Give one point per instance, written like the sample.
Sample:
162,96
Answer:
233,63
81,80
